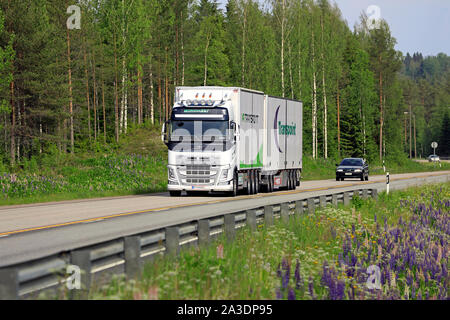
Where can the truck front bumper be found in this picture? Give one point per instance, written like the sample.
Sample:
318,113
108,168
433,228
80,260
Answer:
202,188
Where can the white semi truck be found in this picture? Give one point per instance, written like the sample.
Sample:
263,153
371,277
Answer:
231,139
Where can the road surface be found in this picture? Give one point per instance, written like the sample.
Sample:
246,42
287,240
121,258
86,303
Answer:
33,231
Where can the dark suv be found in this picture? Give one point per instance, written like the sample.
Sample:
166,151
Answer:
352,168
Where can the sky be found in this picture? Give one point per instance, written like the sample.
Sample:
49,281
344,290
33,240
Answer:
418,25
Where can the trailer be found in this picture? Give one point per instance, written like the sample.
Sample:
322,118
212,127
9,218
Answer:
232,139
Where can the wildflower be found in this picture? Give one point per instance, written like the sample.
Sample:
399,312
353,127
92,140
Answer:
219,251
291,294
153,293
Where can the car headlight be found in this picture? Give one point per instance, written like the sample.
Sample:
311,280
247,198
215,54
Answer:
357,170
340,170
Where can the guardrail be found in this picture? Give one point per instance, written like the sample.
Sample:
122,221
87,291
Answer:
127,255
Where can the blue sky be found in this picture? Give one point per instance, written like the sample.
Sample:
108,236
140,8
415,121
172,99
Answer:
418,25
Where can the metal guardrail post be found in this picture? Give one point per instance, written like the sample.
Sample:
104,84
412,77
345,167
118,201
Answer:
323,201
172,241
229,226
251,219
132,255
346,198
334,200
298,211
365,194
268,215
9,284
82,259
203,232
284,212
311,206
375,194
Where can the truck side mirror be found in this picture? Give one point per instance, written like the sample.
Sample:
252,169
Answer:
233,129
164,135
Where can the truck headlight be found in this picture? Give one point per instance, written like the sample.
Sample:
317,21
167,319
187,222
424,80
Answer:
172,174
224,175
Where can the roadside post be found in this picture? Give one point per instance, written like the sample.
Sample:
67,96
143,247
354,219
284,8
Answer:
387,183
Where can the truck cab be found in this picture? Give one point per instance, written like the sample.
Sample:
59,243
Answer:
230,139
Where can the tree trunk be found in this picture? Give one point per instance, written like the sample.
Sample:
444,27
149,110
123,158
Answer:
339,121
13,125
95,98
140,98
182,50
116,93
87,92
152,106
72,141
325,107
243,46
314,107
381,113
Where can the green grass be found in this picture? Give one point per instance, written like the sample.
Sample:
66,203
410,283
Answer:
250,265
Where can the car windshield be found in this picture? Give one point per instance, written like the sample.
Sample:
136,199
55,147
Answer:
352,162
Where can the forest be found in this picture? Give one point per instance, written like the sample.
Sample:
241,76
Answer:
75,89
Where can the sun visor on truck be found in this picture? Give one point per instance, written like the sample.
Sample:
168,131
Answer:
200,114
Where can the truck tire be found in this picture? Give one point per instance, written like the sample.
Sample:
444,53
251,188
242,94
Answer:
249,183
271,184
253,180
175,193
235,185
257,186
294,179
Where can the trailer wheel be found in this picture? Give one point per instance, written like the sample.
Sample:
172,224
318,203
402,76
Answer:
256,182
249,183
253,180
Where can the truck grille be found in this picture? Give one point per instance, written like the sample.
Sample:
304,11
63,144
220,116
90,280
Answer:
198,174
198,171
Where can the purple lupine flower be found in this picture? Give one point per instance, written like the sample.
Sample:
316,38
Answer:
298,278
311,288
291,294
278,294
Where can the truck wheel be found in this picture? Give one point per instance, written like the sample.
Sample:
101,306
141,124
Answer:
294,180
249,183
271,184
175,193
253,180
256,182
235,185
290,180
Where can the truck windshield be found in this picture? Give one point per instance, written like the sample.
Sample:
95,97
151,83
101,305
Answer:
199,128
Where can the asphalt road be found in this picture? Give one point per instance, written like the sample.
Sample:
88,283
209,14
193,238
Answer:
33,231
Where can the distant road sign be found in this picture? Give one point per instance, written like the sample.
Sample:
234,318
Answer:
434,145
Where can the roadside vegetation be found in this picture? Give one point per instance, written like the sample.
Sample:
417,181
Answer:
403,235
136,165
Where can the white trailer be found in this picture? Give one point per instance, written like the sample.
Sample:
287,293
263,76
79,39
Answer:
231,139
